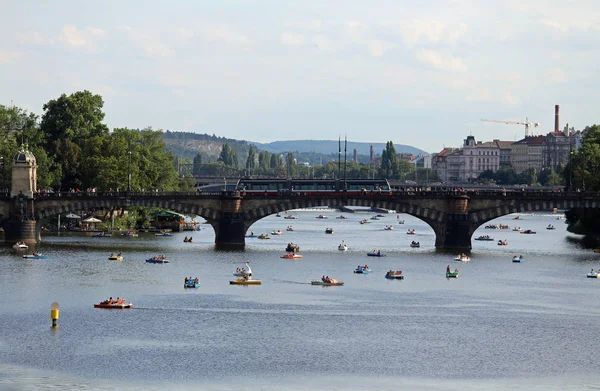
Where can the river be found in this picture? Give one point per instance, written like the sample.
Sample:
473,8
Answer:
500,325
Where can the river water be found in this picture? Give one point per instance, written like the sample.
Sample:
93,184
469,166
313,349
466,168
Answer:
500,325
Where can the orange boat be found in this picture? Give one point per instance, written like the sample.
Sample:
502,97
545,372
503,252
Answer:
118,304
291,256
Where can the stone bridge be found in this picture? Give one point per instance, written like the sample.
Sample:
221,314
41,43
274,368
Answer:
454,216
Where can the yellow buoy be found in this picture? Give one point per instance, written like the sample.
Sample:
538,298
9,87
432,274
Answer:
54,313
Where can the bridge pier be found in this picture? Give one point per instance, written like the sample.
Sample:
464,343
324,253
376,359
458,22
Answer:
229,230
453,234
21,230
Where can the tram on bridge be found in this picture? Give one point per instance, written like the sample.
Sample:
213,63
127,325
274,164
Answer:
313,185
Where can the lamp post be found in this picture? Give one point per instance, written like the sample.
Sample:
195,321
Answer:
3,173
129,166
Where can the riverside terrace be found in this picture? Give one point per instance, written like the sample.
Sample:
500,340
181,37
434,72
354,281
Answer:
453,215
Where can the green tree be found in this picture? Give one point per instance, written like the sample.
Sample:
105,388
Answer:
251,160
264,160
291,165
228,156
197,164
67,124
389,162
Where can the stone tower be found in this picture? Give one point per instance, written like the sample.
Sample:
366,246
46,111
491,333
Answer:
24,174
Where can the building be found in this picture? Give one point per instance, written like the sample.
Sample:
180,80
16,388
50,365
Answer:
505,152
527,153
477,157
446,164
556,150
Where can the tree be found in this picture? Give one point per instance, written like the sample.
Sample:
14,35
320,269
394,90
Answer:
228,156
291,166
67,124
251,160
264,160
389,162
197,164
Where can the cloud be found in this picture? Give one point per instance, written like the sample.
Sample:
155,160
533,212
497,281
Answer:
439,60
377,48
146,43
292,39
34,38
420,31
310,25
71,37
511,99
96,32
7,57
225,34
555,76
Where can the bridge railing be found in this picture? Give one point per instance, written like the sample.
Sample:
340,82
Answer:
132,194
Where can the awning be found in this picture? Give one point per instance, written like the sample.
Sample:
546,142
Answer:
92,220
168,213
72,216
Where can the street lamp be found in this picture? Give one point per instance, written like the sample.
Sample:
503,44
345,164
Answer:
129,166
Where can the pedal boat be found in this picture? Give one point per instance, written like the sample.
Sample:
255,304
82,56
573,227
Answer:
323,283
243,281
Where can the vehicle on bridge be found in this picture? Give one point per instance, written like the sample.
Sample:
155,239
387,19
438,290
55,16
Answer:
316,186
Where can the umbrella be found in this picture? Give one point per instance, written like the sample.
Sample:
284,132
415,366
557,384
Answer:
72,216
92,220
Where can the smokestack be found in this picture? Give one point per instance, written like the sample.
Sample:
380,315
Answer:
556,117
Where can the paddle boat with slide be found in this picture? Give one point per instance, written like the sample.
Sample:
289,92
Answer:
342,246
243,271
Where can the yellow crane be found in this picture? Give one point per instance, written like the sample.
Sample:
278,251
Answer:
526,123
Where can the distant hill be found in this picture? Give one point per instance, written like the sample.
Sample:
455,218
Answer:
328,147
187,145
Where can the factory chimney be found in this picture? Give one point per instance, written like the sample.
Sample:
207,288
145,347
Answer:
556,118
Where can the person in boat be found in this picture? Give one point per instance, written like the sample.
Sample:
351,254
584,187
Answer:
119,254
379,252
366,267
448,269
456,271
592,272
110,301
196,280
246,277
112,254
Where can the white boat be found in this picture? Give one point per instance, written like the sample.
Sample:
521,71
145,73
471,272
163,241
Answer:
323,283
414,244
518,259
388,228
343,246
277,233
462,258
243,271
20,246
594,274
290,217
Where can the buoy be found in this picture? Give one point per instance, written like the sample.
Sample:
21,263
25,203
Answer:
54,313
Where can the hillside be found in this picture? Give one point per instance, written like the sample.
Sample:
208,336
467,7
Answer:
331,147
187,145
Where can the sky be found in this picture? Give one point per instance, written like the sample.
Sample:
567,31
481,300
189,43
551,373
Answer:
421,73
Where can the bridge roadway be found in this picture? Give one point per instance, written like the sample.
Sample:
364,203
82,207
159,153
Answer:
453,215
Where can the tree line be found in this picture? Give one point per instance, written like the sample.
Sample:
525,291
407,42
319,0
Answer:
74,148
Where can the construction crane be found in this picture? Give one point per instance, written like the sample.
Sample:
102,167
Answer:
526,123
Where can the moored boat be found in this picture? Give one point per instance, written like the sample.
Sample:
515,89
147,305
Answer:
394,275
